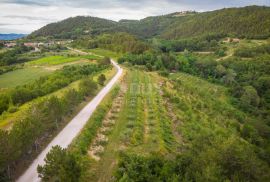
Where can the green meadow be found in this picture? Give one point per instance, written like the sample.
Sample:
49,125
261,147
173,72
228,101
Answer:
21,76
103,52
54,60
58,60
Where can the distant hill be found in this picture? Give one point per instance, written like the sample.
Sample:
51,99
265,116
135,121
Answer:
251,22
76,26
153,26
11,36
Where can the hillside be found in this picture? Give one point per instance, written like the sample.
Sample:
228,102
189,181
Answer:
117,42
251,22
76,26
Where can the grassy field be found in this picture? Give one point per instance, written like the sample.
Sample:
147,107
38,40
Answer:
57,60
53,60
41,67
21,76
104,52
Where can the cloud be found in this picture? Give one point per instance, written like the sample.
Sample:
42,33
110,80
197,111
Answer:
29,15
10,24
28,2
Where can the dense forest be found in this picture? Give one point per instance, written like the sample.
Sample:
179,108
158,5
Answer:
73,27
117,42
251,22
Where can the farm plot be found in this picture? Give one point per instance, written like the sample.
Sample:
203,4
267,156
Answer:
200,106
138,122
53,60
101,139
57,60
104,52
147,120
21,76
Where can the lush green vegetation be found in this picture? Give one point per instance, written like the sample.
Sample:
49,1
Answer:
56,60
5,69
13,56
245,116
38,99
237,73
42,119
239,22
104,52
67,167
181,127
46,85
101,79
73,27
117,42
207,138
220,161
212,147
79,147
22,76
204,117
83,141
251,52
207,42
129,120
53,60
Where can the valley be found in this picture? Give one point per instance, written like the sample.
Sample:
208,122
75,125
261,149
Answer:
178,97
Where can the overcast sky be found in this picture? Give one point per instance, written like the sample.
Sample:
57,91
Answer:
25,16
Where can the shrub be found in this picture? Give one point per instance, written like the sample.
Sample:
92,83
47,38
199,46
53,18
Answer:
60,165
88,87
101,79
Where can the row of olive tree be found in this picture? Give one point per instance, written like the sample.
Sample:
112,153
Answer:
248,79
